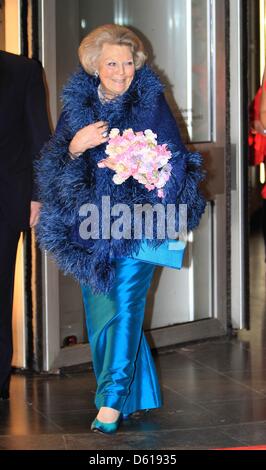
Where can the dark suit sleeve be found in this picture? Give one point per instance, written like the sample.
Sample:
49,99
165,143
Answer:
36,116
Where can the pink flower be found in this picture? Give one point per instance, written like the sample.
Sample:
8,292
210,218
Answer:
138,155
119,178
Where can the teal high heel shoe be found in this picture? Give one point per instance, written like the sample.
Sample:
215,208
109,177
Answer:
107,428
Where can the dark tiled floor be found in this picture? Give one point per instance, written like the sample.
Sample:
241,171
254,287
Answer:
214,396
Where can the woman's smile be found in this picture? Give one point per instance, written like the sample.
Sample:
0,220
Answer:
116,69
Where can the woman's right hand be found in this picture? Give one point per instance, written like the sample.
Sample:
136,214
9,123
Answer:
88,137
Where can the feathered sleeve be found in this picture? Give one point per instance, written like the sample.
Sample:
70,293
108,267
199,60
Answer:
187,172
58,211
54,156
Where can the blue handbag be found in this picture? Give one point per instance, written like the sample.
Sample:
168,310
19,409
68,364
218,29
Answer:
169,254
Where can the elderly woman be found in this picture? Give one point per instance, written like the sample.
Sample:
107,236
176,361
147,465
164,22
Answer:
113,88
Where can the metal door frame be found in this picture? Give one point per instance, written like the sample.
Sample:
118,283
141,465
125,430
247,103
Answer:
239,209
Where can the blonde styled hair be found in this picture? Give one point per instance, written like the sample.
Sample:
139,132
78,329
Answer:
91,46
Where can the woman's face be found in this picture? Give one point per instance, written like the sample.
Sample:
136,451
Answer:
116,68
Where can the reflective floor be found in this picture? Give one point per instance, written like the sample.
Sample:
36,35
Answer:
214,396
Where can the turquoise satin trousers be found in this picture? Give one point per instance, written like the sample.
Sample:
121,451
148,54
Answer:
122,361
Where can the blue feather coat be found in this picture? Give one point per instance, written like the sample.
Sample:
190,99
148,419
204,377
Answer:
65,184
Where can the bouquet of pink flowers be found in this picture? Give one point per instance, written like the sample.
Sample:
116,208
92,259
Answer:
138,155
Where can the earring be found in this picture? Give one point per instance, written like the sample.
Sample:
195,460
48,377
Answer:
96,74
